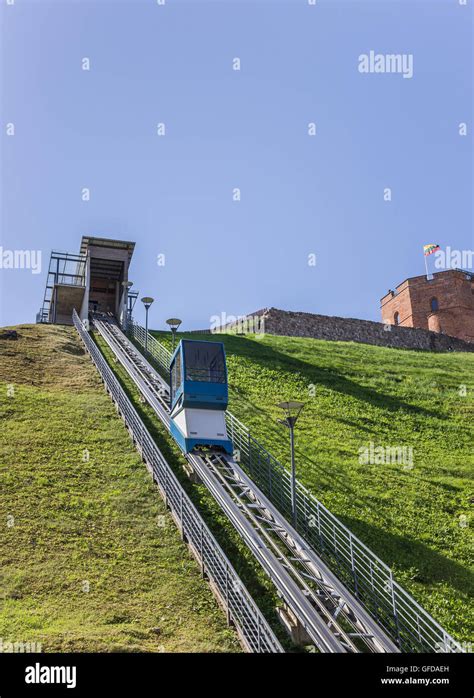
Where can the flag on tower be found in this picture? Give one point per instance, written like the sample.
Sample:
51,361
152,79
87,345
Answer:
429,249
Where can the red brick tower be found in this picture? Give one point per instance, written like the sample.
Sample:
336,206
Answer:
443,303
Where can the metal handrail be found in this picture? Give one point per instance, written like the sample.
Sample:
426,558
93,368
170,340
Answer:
364,573
251,625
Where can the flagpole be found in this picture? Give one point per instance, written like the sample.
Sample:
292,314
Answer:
426,266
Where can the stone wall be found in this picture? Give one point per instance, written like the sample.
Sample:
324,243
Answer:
295,324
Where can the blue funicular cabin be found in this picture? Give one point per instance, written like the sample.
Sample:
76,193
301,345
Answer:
199,396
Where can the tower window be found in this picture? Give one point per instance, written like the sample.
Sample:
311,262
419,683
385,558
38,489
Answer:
396,318
434,305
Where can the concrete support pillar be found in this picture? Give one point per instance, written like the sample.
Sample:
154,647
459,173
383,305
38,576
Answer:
293,627
84,314
122,294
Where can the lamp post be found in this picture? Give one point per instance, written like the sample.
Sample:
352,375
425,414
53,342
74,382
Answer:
126,286
292,411
147,301
174,323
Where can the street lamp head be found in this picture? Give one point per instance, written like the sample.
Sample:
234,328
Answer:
292,410
127,284
173,323
147,301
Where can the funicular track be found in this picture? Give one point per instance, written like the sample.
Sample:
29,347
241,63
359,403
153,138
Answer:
332,617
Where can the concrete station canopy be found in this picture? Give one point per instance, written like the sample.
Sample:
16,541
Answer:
88,241
106,270
91,281
105,258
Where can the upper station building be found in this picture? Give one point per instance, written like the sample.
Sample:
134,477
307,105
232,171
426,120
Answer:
444,302
94,280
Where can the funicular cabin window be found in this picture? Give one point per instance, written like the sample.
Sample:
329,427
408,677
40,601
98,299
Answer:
204,362
176,374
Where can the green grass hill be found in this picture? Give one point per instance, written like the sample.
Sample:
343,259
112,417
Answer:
417,519
90,558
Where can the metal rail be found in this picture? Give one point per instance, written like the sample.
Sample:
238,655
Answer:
332,617
360,569
254,631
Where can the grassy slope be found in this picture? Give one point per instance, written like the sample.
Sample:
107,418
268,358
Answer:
363,394
99,521
249,571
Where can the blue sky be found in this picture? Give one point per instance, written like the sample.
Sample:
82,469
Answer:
227,129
